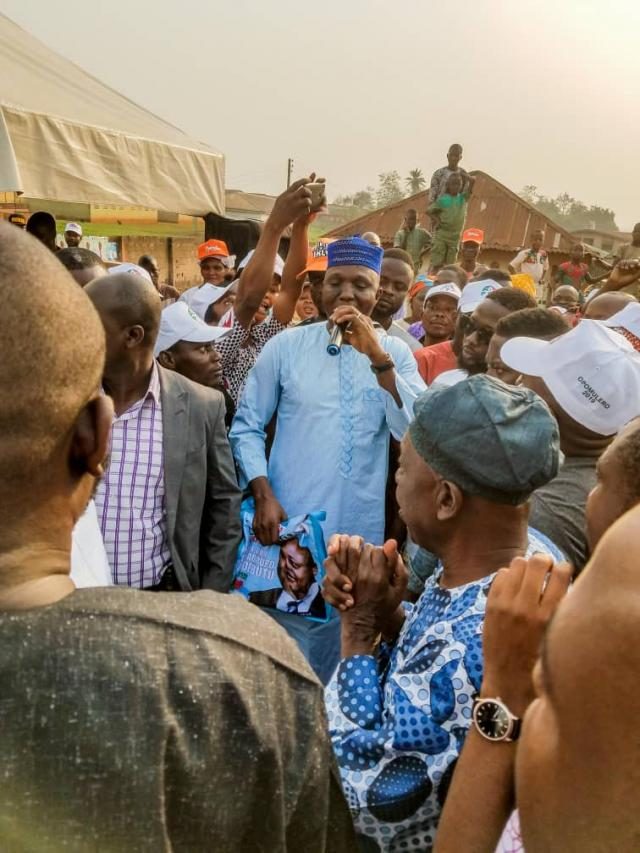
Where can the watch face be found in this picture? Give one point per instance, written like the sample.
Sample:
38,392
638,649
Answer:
492,720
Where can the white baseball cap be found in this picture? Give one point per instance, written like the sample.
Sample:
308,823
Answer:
134,269
179,323
205,296
476,292
73,227
448,289
627,323
592,371
278,264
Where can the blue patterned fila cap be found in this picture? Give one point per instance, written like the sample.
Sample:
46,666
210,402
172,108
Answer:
355,252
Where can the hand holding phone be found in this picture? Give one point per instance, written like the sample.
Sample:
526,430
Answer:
318,195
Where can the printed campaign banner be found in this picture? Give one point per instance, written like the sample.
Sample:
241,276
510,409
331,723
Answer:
286,576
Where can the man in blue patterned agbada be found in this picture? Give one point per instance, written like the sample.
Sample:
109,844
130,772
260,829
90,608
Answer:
400,702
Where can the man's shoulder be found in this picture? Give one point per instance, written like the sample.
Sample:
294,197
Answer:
302,335
435,351
575,468
540,543
186,295
450,377
212,618
628,252
396,342
401,334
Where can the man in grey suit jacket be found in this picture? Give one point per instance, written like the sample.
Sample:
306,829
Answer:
169,503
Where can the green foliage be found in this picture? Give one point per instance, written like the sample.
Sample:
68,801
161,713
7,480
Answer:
389,188
569,212
364,199
415,181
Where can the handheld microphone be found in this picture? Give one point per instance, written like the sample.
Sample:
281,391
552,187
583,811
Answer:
335,340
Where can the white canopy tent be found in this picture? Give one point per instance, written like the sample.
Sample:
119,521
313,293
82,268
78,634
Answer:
65,136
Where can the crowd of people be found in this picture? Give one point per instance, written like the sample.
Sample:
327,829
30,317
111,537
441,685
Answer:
467,442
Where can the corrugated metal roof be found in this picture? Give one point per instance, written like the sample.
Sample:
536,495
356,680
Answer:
508,221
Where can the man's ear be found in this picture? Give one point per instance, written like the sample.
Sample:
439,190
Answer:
166,360
134,336
90,440
449,500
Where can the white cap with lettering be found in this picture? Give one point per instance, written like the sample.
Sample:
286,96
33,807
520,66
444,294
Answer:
592,372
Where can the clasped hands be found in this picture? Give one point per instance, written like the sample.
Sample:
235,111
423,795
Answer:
366,584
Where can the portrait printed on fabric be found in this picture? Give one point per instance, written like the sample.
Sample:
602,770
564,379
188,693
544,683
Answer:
288,575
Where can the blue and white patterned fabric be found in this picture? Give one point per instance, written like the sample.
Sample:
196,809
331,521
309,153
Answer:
330,451
397,730
354,252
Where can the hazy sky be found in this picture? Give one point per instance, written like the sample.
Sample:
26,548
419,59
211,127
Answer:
543,93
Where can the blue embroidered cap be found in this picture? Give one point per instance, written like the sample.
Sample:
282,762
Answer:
355,252
493,440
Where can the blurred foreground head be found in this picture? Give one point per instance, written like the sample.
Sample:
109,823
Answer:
53,420
578,760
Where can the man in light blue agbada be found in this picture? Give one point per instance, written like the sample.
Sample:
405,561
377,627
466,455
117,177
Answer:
334,413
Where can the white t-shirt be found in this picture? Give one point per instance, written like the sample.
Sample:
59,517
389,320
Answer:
532,263
89,563
449,378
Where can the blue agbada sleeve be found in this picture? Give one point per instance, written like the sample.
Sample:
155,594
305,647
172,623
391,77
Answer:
256,408
409,384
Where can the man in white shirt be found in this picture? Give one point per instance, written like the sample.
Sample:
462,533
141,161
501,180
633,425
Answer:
89,561
533,262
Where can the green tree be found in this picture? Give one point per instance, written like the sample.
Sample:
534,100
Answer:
389,189
570,213
363,199
530,194
415,181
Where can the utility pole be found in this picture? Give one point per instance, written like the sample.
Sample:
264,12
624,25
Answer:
289,171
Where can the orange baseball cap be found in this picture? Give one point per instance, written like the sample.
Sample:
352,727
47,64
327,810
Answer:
317,259
473,235
213,249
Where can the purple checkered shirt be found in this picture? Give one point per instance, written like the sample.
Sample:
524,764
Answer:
130,499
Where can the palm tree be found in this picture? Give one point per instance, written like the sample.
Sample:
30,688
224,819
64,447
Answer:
416,181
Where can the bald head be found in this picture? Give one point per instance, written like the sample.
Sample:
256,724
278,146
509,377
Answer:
605,305
578,761
129,307
52,350
372,237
